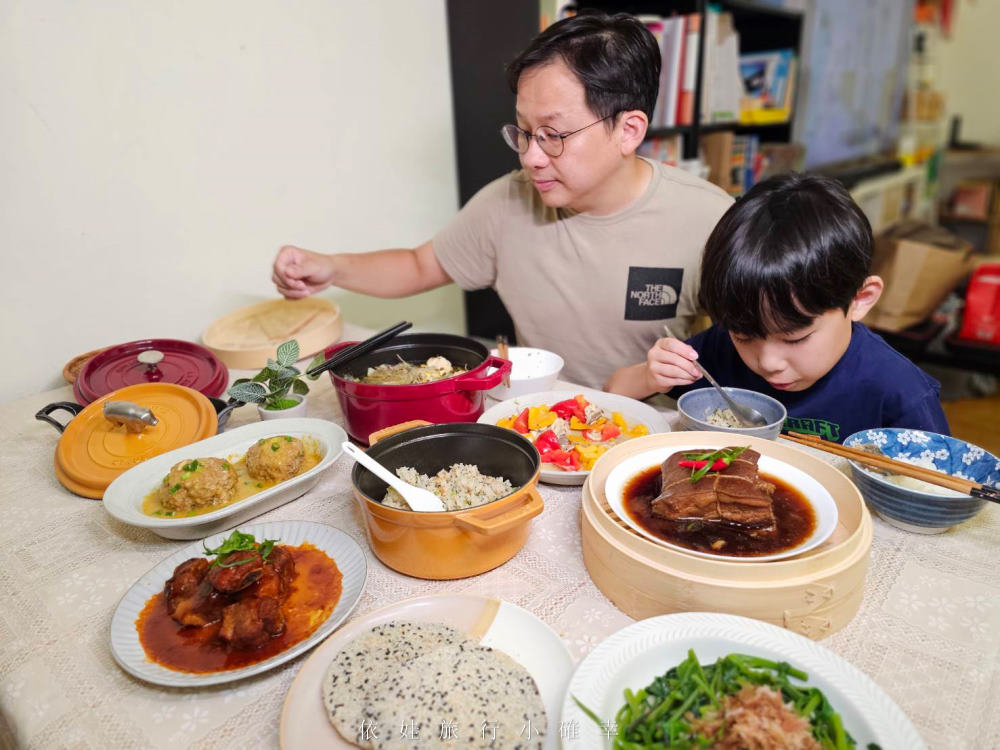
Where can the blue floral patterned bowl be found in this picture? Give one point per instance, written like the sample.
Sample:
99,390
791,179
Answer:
916,510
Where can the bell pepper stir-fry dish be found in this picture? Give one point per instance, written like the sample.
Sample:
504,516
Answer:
572,434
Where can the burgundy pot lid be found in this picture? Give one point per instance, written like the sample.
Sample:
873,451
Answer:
151,361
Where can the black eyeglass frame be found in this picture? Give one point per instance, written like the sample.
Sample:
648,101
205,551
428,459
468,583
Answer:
510,133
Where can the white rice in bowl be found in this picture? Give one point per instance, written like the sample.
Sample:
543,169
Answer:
461,486
723,418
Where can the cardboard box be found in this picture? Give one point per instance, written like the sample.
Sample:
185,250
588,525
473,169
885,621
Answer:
920,265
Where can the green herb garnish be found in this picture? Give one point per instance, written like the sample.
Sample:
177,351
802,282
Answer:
191,466
275,446
174,488
725,454
239,542
287,439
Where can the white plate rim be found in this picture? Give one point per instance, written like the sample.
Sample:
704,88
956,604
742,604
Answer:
332,646
644,413
824,506
124,638
121,502
892,727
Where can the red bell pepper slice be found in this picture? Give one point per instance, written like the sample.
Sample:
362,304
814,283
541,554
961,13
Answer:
521,423
569,408
567,460
547,442
610,431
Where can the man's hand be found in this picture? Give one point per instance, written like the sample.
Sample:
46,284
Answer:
297,273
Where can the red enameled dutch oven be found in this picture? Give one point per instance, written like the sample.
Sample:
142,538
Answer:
369,408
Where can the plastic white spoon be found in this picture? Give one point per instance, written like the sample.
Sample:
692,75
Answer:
415,497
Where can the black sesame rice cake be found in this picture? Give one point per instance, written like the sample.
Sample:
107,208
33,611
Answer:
421,685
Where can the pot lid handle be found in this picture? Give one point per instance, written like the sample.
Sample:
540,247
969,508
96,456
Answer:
135,418
150,357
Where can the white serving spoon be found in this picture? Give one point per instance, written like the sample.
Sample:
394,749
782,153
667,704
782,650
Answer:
415,497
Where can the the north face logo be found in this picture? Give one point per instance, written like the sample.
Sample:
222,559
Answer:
652,293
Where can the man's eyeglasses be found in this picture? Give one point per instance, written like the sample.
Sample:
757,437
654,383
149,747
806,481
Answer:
549,139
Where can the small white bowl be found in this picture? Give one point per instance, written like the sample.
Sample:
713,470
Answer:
533,371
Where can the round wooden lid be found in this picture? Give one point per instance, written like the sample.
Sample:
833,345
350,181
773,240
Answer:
245,338
93,450
72,368
151,361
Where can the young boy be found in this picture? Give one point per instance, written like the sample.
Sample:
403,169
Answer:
589,246
785,277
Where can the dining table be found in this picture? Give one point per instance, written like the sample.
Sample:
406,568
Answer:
927,631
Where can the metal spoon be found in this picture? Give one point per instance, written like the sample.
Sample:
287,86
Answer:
415,497
749,416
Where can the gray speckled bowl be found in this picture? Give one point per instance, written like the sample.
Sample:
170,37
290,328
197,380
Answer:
695,406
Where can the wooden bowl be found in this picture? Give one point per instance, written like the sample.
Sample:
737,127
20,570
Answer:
813,594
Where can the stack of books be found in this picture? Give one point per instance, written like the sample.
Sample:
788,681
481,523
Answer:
768,87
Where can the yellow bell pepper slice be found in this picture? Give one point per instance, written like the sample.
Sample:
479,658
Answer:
619,420
639,430
539,417
576,424
508,423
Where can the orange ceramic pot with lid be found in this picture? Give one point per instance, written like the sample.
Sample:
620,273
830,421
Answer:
449,544
124,428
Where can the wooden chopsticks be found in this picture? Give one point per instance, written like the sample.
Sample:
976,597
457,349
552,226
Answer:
504,353
975,489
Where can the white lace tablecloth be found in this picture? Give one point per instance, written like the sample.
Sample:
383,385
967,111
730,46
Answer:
927,633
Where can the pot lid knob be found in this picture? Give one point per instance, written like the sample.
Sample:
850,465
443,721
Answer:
135,418
151,358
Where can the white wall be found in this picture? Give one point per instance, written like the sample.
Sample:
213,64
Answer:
154,156
970,69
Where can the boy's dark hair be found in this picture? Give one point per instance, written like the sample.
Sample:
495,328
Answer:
615,57
794,247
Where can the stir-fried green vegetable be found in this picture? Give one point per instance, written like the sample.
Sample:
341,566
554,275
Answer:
659,716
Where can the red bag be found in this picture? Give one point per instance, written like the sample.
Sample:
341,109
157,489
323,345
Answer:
981,320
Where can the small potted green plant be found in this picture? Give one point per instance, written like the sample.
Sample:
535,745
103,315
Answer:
278,389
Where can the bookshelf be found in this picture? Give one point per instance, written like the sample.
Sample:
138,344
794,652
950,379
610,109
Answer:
761,28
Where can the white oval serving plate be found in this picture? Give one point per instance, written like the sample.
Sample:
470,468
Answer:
496,623
815,493
634,412
342,549
124,496
637,654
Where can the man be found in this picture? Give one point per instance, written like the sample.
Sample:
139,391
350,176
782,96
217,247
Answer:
591,247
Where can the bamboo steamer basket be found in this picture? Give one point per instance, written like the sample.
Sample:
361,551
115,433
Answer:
245,338
813,594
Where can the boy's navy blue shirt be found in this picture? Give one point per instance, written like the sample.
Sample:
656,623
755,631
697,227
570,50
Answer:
872,385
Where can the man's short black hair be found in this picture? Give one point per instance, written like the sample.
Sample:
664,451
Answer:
615,57
794,247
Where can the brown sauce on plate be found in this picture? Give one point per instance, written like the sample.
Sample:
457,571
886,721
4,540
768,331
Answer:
316,589
794,515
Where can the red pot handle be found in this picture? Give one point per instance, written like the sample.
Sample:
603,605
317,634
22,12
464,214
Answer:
470,382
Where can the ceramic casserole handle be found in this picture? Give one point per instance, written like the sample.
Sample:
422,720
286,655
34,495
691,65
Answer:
530,507
71,406
395,429
470,382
